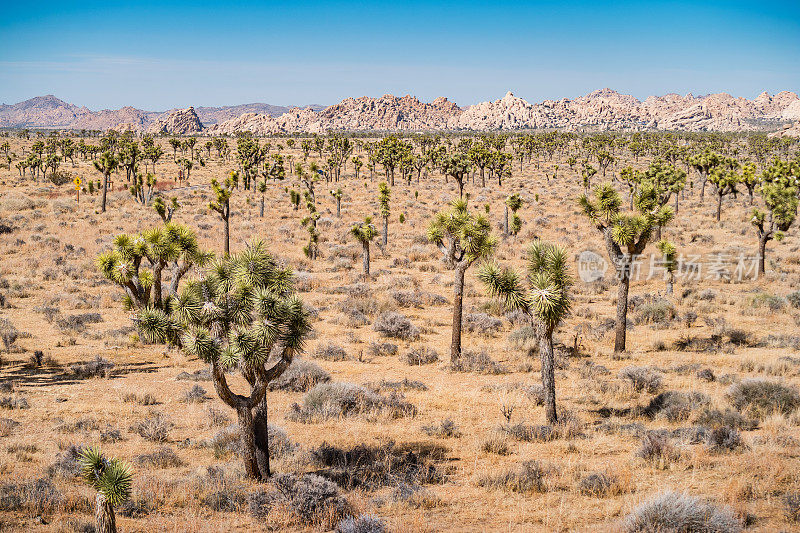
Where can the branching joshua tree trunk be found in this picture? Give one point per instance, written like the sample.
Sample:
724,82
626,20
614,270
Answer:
364,233
222,205
106,165
463,238
546,301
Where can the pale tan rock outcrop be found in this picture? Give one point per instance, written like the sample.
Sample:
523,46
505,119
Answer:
178,121
790,130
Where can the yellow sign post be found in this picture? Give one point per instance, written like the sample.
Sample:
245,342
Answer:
77,181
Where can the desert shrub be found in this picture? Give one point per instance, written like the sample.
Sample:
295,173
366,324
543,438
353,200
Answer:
301,376
336,400
443,429
529,433
154,428
761,397
8,333
671,511
414,496
136,507
228,441
794,299
358,308
67,463
196,394
482,323
528,477
198,375
791,504
737,337
36,496
478,362
403,384
769,301
80,424
217,418
78,323
218,491
642,378
706,375
311,499
597,484
97,367
362,524
523,338
496,445
675,406
420,355
371,467
723,439
164,457
111,435
329,352
728,418
7,426
396,325
656,448
14,402
379,349
660,311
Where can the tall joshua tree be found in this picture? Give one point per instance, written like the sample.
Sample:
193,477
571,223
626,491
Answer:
625,236
546,301
457,166
106,165
668,261
704,163
781,203
337,195
463,238
364,233
384,197
243,314
222,205
112,479
725,181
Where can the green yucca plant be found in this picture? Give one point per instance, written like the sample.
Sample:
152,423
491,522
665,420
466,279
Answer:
546,300
113,481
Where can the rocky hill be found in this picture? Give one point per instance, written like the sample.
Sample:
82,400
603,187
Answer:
600,110
179,121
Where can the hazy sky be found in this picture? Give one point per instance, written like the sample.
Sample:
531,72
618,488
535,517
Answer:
160,55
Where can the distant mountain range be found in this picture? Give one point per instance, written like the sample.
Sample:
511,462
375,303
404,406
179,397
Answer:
604,109
52,112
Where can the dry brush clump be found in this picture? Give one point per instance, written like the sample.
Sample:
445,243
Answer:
396,325
301,376
527,477
761,397
672,511
338,400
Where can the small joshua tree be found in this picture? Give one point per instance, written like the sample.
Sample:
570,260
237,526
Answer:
112,479
143,188
463,238
625,236
364,233
546,301
171,245
106,165
222,205
669,261
294,199
337,195
514,203
781,203
243,314
384,195
725,181
164,210
586,175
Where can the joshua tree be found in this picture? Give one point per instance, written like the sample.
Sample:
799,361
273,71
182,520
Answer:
143,188
337,194
294,199
364,233
514,203
546,301
463,238
175,143
112,479
704,163
384,195
781,203
668,261
106,165
357,164
725,181
457,166
170,245
625,237
164,210
604,159
586,174
310,221
222,205
244,315
262,188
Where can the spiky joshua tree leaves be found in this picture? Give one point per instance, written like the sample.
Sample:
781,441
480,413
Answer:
243,314
546,300
222,204
463,238
514,203
384,198
669,262
625,236
780,199
364,232
137,262
112,479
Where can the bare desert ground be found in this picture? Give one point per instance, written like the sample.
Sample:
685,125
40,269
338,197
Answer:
472,452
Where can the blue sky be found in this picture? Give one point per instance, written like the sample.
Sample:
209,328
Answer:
159,55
